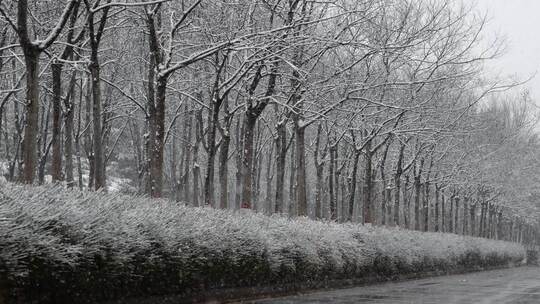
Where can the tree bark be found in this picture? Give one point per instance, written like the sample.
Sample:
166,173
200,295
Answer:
69,115
269,208
385,198
417,191
254,109
472,221
301,191
437,207
31,56
425,206
224,168
157,90
451,215
213,116
407,204
319,170
239,155
43,153
481,231
157,147
500,225
456,221
188,150
319,192
56,67
465,217
292,185
94,68
281,154
56,164
331,180
352,190
397,182
443,213
247,161
368,184
257,171
196,166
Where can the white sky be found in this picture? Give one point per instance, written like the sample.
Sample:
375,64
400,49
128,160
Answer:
518,21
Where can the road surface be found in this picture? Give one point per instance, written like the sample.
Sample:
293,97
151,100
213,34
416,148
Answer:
516,286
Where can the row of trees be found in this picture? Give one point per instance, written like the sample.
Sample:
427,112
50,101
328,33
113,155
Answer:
375,111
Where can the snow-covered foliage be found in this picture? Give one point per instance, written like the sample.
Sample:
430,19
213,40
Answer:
58,242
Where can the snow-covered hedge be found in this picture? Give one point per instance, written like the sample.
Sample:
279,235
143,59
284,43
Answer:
62,246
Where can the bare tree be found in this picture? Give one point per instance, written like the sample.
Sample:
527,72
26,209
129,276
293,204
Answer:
32,50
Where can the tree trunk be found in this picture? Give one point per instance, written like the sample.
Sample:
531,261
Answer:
281,154
451,215
301,191
417,190
353,185
247,161
319,192
482,219
397,182
319,170
56,165
385,211
257,172
213,116
456,221
489,221
16,137
224,170
31,56
292,186
78,139
385,198
331,180
45,149
239,154
437,198
343,187
96,118
465,217
368,185
69,115
157,89
443,212
407,204
472,221
269,178
196,166
500,225
157,120
425,206
188,151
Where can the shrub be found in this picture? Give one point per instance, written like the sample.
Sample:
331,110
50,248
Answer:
66,246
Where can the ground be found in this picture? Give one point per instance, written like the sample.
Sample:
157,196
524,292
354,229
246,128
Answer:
517,286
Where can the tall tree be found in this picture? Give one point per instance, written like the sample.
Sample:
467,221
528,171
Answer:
32,50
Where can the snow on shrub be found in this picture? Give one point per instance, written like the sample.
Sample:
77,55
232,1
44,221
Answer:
62,245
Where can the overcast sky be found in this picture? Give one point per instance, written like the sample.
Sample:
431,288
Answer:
519,22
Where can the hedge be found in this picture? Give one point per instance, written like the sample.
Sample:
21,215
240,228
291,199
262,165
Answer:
67,246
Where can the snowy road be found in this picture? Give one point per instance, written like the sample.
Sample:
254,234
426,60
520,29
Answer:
516,286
